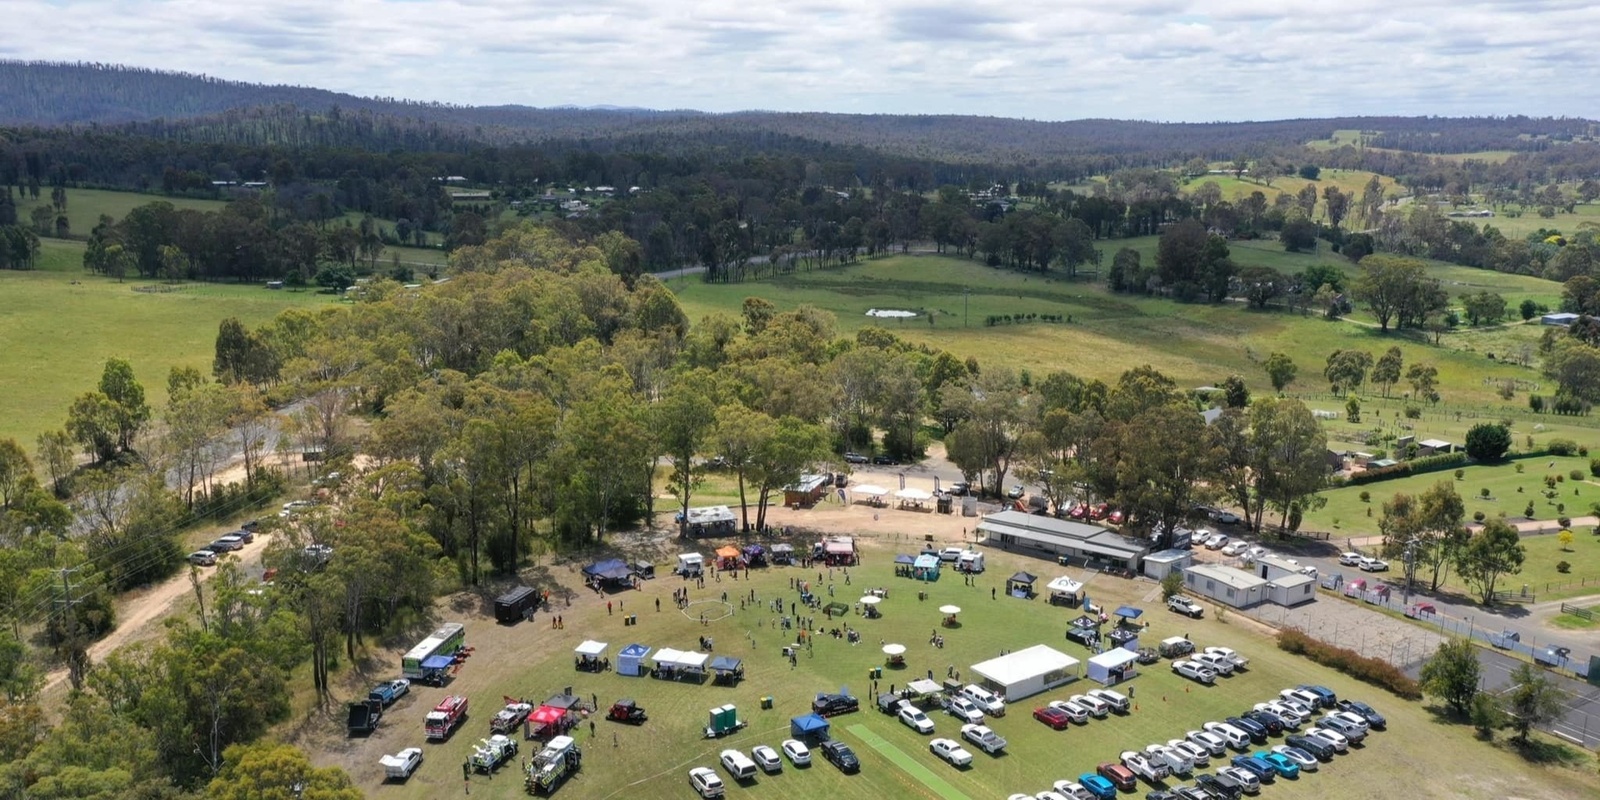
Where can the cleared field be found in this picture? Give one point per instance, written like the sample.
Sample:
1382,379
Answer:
60,325
1349,181
532,660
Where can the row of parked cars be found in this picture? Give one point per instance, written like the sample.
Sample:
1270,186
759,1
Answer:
743,768
207,556
1205,666
1343,723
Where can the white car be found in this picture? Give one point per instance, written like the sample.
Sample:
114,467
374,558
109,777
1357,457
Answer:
1305,761
1118,702
1290,717
400,765
1240,778
1335,739
1351,731
738,764
203,558
1239,662
706,782
1235,738
766,758
913,718
1048,795
1210,742
1217,542
950,750
1072,790
1256,553
1225,517
1350,559
1185,606
1177,763
965,710
1356,720
986,740
799,755
1150,770
1200,756
1195,671
1097,707
1074,712
1373,565
1301,700
985,699
1234,549
1218,664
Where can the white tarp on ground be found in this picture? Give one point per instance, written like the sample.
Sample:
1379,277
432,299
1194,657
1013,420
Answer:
1028,671
869,490
591,648
910,493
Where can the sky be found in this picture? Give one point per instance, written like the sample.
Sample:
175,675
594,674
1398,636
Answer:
1166,60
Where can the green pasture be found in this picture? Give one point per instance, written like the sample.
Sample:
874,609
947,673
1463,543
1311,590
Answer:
59,325
1515,224
1195,343
652,760
1350,181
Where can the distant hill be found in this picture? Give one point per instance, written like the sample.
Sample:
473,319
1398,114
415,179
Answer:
55,94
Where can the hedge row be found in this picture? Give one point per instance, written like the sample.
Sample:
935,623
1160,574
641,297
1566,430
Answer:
1375,671
1415,466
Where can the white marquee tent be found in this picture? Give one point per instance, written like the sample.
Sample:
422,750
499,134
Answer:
1028,672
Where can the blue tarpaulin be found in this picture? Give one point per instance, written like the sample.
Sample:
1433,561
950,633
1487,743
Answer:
807,726
1129,612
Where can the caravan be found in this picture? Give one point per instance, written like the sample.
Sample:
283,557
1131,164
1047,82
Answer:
970,561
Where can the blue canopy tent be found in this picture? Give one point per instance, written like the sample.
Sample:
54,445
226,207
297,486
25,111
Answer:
1127,614
612,571
727,670
903,564
630,660
1021,585
810,727
436,668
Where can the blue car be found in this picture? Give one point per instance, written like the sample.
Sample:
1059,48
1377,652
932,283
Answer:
1281,764
1097,786
1255,766
1323,693
1366,712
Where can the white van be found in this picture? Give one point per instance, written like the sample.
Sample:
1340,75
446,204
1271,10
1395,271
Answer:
1116,700
739,766
970,561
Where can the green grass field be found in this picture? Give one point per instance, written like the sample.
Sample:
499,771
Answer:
652,760
59,326
1350,181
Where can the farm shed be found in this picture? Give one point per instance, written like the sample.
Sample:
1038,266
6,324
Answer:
1050,538
1113,666
1027,672
1292,590
710,521
805,492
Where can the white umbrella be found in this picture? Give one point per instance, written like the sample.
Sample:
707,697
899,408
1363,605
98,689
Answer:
949,609
871,600
894,649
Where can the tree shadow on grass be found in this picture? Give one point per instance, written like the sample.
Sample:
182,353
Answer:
1545,751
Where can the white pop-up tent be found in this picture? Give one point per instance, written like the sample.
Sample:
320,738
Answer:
1028,671
1113,666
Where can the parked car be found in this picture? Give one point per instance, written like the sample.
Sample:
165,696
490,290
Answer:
1366,712
1116,516
1310,701
950,750
1225,517
913,718
1333,738
1239,661
766,758
738,765
203,558
1119,775
1209,741
985,699
706,782
1421,610
1217,541
964,709
854,458
1098,786
1505,639
1143,766
1325,696
840,755
1219,664
390,691
1266,719
400,765
1201,756
1074,712
1080,511
1242,779
1317,747
1177,762
226,544
986,740
1350,559
1217,789
1099,512
245,535
1302,759
1185,606
1370,564
1256,766
827,705
1237,739
1351,730
1097,707
959,488
1256,730
1234,549
1280,763
1286,717
1075,791
1118,702
1054,717
799,755
1195,671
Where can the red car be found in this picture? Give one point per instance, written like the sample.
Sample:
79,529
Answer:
1119,775
1115,517
1099,512
1054,717
1418,610
1079,511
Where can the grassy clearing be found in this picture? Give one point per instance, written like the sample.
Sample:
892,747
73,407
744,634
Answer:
1509,493
60,325
1573,622
1349,181
652,760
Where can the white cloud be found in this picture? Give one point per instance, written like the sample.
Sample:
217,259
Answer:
1148,59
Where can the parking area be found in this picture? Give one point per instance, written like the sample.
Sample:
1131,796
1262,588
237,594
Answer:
1580,721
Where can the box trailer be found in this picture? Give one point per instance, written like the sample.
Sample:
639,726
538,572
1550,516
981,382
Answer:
513,606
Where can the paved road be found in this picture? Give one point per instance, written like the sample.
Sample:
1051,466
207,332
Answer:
1580,720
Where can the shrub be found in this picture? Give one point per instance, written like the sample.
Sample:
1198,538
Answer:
1561,479
1561,447
1460,473
1575,475
1366,497
1413,412
1477,516
1375,671
1594,467
1563,567
1583,450
1565,522
1520,466
1528,512
1484,492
